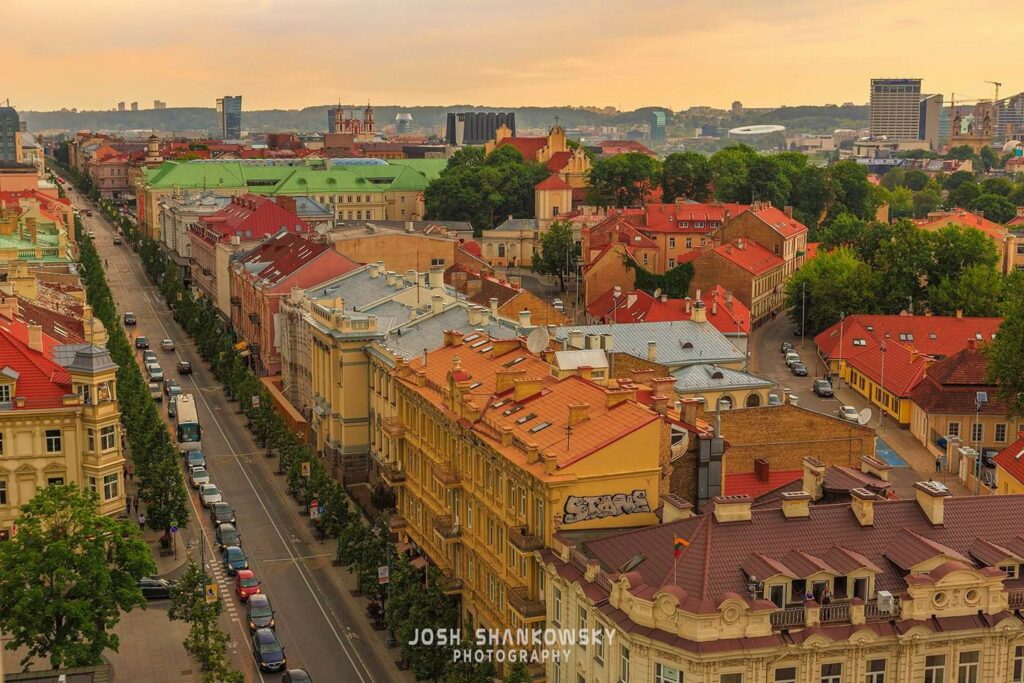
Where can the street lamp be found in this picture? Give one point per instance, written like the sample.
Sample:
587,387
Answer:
842,319
881,388
980,399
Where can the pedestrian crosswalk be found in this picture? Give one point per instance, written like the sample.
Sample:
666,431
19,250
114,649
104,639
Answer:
224,587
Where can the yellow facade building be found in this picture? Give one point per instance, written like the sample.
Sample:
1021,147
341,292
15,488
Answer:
491,456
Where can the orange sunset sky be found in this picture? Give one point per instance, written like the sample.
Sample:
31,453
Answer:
673,53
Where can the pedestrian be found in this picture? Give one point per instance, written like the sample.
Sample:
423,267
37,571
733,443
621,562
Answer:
142,522
125,468
131,472
127,505
826,596
938,464
136,503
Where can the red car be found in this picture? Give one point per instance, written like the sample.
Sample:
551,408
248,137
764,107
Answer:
246,584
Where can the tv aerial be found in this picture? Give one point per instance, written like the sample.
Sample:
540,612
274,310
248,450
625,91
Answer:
537,340
864,416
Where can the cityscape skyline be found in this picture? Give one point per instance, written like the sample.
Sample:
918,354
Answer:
563,59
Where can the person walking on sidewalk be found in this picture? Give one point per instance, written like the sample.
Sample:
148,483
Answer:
135,502
128,505
142,522
131,473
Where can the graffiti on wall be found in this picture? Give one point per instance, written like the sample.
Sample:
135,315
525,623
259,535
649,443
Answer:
583,508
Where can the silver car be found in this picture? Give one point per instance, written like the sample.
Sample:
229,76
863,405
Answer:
197,476
156,373
849,413
209,494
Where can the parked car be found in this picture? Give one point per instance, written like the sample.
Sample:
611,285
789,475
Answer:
246,584
792,357
797,331
235,559
267,650
798,369
823,388
172,408
296,676
129,319
184,367
167,345
149,356
117,241
155,393
774,400
227,535
155,589
209,494
168,383
787,347
92,234
174,392
195,459
197,476
222,513
156,373
848,413
260,612
141,343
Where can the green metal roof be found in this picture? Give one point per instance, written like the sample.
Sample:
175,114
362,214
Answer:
309,178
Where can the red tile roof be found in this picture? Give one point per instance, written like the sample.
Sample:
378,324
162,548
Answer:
957,216
1018,220
778,221
935,335
285,254
1011,458
472,248
748,255
950,386
552,182
811,251
728,316
250,216
904,368
558,161
748,483
528,147
40,381
618,229
623,146
684,217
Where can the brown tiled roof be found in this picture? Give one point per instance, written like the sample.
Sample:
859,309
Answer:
849,478
490,288
991,554
951,385
901,536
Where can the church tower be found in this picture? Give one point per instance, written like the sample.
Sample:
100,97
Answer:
368,125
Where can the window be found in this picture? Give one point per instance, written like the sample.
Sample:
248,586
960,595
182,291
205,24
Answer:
777,594
967,671
731,678
689,243
953,429
3,499
666,674
5,393
935,669
1018,660
55,481
1009,569
110,486
645,259
436,262
582,625
1,443
1000,433
599,644
786,674
624,665
672,242
832,673
90,483
107,438
556,606
671,263
875,671
977,432
53,443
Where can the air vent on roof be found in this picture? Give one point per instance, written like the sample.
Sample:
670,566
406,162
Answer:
541,426
687,345
474,385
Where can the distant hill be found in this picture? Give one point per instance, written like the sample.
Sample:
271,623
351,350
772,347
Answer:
314,119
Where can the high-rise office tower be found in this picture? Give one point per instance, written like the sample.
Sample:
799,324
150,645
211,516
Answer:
657,126
895,108
159,104
135,106
931,114
10,126
120,106
229,114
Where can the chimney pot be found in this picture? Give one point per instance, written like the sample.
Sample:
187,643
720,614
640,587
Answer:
796,504
863,505
732,508
652,351
931,500
524,318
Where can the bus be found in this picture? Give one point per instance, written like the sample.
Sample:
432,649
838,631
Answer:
187,429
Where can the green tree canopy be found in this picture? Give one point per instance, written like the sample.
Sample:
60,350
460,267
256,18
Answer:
915,180
623,180
996,208
978,291
730,169
66,577
1000,186
963,195
830,285
558,254
927,200
956,179
852,190
1006,356
902,263
686,174
956,248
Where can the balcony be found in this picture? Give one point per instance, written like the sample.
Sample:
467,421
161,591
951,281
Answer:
447,475
524,541
391,474
397,522
520,601
447,527
873,611
835,613
789,617
451,585
393,427
1016,598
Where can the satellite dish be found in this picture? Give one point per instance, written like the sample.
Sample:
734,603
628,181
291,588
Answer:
864,416
537,341
657,293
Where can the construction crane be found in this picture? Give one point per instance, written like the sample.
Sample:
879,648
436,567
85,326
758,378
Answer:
997,84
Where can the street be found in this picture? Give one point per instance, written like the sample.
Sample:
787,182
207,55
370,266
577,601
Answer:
768,361
320,625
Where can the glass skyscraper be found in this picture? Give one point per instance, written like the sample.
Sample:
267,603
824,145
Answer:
229,113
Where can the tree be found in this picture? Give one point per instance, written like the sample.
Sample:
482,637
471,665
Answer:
989,158
558,254
66,577
845,230
956,248
162,487
431,610
915,180
1006,357
893,178
1000,186
977,292
468,669
834,283
730,169
812,193
956,179
205,641
961,153
902,262
852,190
901,203
768,181
623,180
964,195
997,209
518,673
926,201
686,174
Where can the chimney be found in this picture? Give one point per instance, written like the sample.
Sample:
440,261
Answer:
524,318
659,404
505,379
614,397
761,469
436,277
739,243
411,277
452,338
389,278
814,477
972,344
474,315
788,210
664,298
674,508
796,504
728,297
959,312
526,387
652,351
691,410
714,307
931,501
688,302
374,271
700,313
493,301
661,386
593,341
575,339
578,412
862,502
436,304
874,466
35,337
732,508
607,342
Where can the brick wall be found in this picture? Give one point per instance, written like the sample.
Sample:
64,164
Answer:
713,269
604,274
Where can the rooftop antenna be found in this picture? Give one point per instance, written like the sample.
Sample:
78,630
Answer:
568,431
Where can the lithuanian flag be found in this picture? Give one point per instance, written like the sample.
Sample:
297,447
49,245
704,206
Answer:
680,544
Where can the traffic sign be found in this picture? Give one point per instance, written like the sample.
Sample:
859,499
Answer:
314,509
174,529
305,469
211,593
382,575
255,401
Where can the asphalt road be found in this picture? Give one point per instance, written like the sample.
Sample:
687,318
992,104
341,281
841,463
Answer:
318,623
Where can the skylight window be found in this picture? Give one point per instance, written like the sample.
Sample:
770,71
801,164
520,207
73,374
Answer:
541,426
471,337
515,361
478,344
513,409
526,418
977,335
859,342
486,349
932,335
906,336
474,385
870,328
499,403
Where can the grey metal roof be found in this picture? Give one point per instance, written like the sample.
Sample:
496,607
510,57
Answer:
518,225
706,376
357,288
309,207
677,344
83,358
427,331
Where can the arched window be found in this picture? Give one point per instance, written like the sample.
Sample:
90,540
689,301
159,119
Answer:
753,401
725,402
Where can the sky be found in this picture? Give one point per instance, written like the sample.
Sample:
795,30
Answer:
289,54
